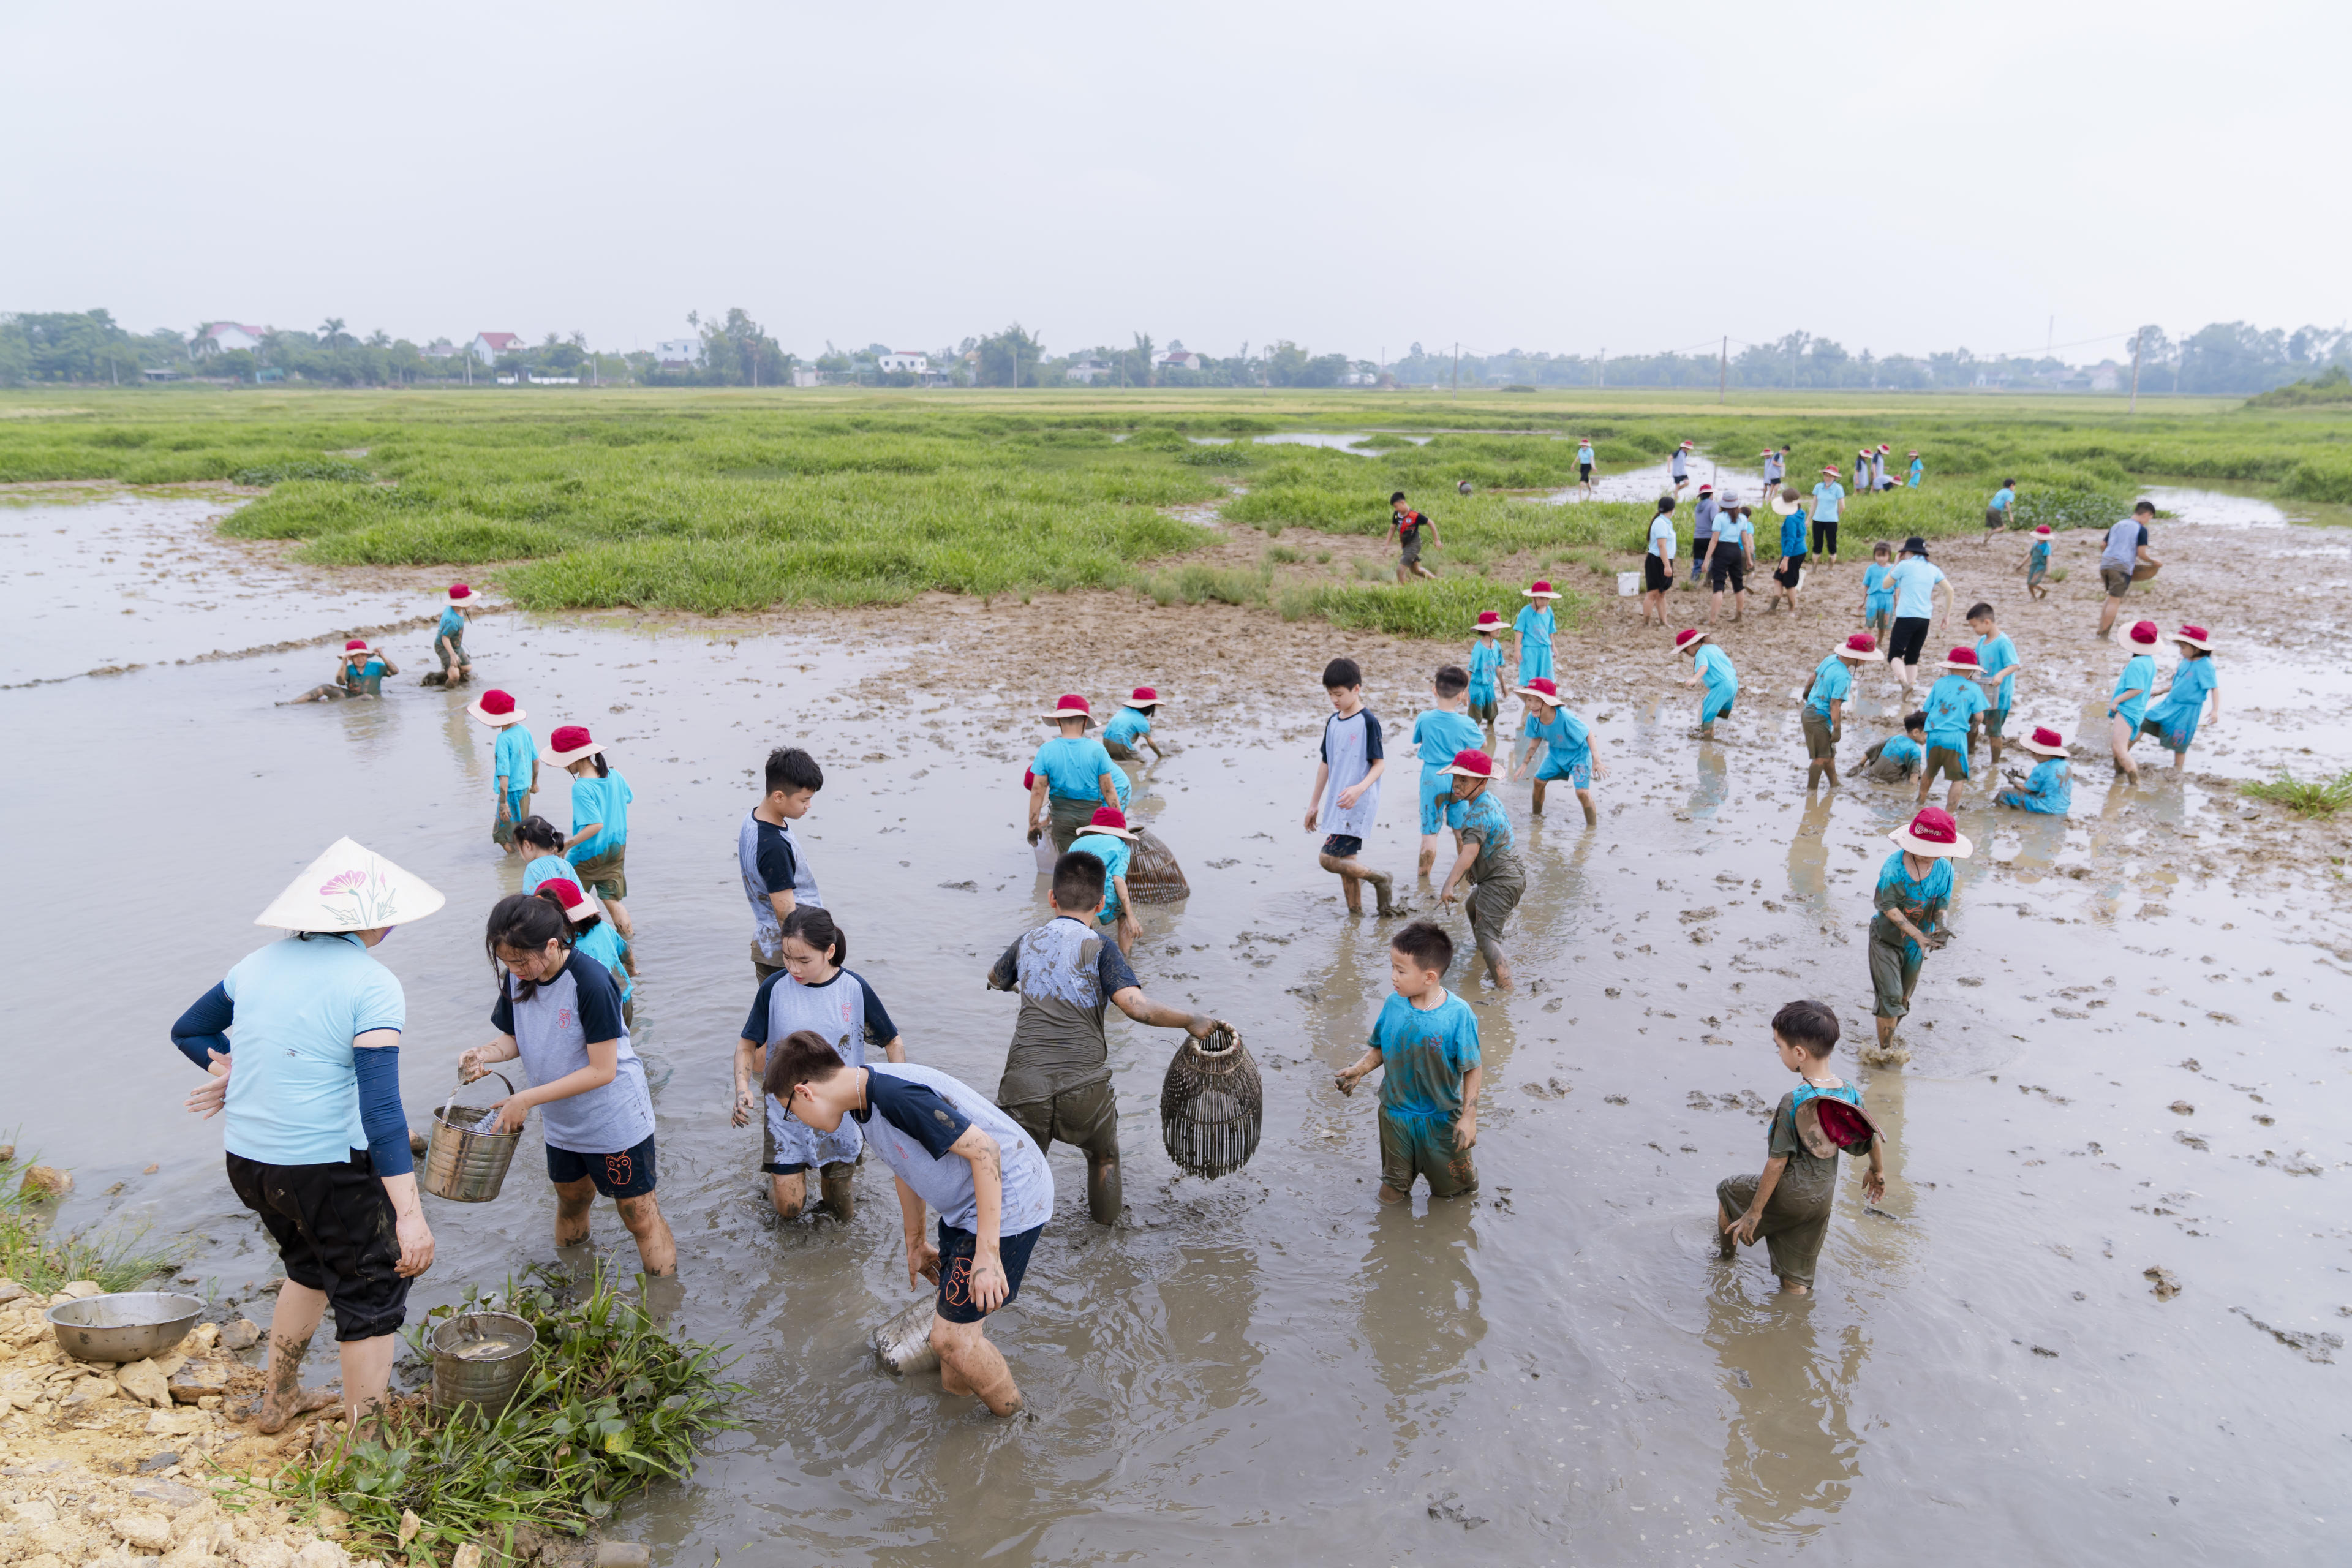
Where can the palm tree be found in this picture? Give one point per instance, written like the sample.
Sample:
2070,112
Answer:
332,336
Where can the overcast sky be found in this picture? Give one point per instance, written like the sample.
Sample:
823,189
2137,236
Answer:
1559,174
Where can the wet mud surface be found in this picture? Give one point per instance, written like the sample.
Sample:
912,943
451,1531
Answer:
2131,1062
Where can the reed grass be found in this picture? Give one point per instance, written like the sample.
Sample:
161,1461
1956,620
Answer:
2305,797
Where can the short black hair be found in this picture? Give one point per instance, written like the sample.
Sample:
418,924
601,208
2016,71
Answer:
1342,672
792,770
1396,498
1811,1027
1452,681
2144,509
1426,944
802,1056
2011,484
1979,610
1918,720
1077,882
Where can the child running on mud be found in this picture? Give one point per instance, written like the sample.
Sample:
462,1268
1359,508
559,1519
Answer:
1486,860
1426,1043
1131,727
1407,525
1566,742
1787,1206
1437,735
1914,887
360,672
2037,562
1486,664
1711,665
1347,798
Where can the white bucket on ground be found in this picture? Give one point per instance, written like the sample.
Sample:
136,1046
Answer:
1628,585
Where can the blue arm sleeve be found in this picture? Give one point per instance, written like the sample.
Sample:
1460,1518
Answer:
198,1032
380,1112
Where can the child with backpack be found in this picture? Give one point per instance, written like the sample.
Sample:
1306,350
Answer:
1787,1206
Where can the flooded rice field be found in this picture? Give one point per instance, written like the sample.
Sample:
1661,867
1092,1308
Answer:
2131,1071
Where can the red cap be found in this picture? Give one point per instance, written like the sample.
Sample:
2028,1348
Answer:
2044,737
1862,642
1107,816
570,738
1688,636
2144,631
1967,656
1935,825
1475,763
567,893
497,703
1144,694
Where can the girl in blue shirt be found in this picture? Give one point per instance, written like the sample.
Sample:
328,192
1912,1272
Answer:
600,821
2129,705
593,936
2051,789
542,849
1486,664
2172,719
1712,666
1878,593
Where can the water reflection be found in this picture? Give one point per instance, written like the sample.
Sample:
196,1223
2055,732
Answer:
1809,851
1714,779
1418,1303
1790,1454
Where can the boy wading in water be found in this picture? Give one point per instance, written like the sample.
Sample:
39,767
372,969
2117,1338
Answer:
1071,775
1566,741
449,637
776,875
1787,1206
1996,657
1056,1082
1426,1043
1914,888
951,1150
1347,798
1438,736
1486,663
358,673
1132,726
1825,712
1487,859
514,761
2037,562
1408,525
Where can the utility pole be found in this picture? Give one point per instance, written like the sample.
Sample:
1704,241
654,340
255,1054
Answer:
1604,368
2135,392
1457,373
1722,368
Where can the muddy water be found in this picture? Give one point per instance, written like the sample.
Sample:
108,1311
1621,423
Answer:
1558,1371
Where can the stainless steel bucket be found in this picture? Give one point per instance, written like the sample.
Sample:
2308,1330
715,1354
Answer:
466,1159
480,1358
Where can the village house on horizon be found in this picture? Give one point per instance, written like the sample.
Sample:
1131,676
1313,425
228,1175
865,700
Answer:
226,337
676,354
488,346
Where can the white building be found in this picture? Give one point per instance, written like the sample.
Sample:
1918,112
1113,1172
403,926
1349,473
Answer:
488,346
224,337
804,376
1177,357
1087,372
677,353
906,361
2106,376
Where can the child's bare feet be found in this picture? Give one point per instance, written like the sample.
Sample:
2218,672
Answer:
1791,1288
277,1411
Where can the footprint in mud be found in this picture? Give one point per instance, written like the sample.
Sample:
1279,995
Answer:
1551,1089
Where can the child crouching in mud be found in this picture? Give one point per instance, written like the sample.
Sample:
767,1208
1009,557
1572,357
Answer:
1787,1206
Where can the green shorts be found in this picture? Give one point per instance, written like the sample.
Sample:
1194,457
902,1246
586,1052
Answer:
1120,751
1995,720
1892,976
1067,818
605,875
1820,744
1947,763
1484,712
1490,904
1085,1118
453,654
1423,1146
2118,580
1791,1230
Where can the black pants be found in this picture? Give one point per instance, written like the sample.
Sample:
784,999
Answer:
1909,637
336,1233
1825,536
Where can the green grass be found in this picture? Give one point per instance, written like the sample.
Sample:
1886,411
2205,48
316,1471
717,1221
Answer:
40,1260
2305,797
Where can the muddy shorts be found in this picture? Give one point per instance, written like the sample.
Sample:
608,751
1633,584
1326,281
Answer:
1436,789
1490,904
1576,768
1820,745
2118,580
605,875
1067,819
1120,751
1995,721
2033,578
1343,845
1084,1117
502,823
453,654
1945,762
1412,555
1423,1146
761,967
1731,567
1483,711
335,1233
1892,976
1792,1232
1995,520
955,1251
1714,703
627,1174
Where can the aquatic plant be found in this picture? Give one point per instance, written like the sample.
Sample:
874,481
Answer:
2305,797
42,1261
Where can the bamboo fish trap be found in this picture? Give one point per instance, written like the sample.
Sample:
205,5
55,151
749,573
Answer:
1212,1105
1153,875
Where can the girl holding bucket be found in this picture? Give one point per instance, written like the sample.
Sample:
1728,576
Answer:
600,821
560,1011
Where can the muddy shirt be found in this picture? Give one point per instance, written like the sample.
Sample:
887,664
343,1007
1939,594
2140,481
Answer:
1486,658
1480,820
1423,1056
1806,1181
1921,900
912,1118
1066,972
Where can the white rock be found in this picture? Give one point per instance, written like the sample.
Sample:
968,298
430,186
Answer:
323,1554
270,1552
147,1531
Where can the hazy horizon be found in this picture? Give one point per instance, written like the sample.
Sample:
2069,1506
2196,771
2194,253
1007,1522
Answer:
1564,179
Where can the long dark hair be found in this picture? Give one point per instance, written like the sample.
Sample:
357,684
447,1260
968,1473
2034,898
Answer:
540,834
813,925
596,759
523,921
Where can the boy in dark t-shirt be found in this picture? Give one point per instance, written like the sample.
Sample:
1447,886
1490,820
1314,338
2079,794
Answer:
1408,525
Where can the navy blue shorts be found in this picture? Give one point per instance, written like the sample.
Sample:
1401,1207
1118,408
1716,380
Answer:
957,1249
627,1174
1343,845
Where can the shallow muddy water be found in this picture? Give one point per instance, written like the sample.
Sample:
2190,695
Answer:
1558,1371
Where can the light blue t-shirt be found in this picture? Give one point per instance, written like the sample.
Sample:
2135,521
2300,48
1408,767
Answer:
2138,674
2049,789
1486,658
1423,1056
512,758
602,945
1073,767
1828,497
1534,625
1127,725
1901,749
1440,734
2038,558
604,800
1715,668
1662,536
1734,532
1833,681
1584,453
1951,703
1915,577
2192,681
1568,737
546,868
453,624
1113,852
1995,654
1917,469
1878,588
294,1095
2002,499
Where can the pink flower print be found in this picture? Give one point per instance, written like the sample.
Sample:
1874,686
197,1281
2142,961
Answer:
343,882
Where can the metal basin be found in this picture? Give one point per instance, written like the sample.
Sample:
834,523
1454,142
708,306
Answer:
481,1358
131,1326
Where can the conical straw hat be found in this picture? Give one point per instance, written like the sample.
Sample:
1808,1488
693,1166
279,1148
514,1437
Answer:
351,887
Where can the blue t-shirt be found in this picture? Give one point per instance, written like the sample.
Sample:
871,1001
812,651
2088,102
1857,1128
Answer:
294,1097
1662,536
1995,654
1901,749
1483,815
1878,587
604,800
1951,703
1828,496
2139,675
453,624
1423,1056
2049,790
2002,499
1534,626
602,944
1486,658
1073,767
1440,735
1832,681
1915,577
1569,736
1584,453
1921,898
1917,469
1792,533
1114,853
1733,532
2192,679
1126,725
1715,668
512,758
2038,558
544,868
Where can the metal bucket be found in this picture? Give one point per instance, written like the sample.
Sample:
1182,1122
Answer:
903,1344
464,1163
488,1377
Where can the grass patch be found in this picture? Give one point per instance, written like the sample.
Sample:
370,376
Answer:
1442,611
1195,583
611,1404
1282,554
43,1262
2305,797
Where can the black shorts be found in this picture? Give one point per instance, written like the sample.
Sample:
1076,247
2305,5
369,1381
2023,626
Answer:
1730,566
1790,572
627,1174
1343,845
1654,575
1583,471
957,1249
1412,555
1825,536
334,1229
1909,638
1995,520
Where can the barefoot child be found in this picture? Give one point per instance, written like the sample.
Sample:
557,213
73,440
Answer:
449,637
814,993
1954,707
2129,705
600,822
1996,657
561,1013
1899,757
1584,464
1407,525
1437,736
2037,562
1918,471
1914,888
1790,507
1566,741
1787,1206
1999,509
1347,798
1824,698
2050,792
952,1152
1485,664
777,878
1878,592
1531,632
2172,719
514,761
1711,665
1131,727
360,672
594,938
1108,839
1486,860
1071,775
1426,1043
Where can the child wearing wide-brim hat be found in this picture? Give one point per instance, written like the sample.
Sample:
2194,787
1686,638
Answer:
514,765
359,672
449,637
1824,697
2128,706
2049,790
1108,839
1955,706
1915,886
1484,669
599,839
593,936
1487,861
1711,665
1132,726
1071,775
2037,562
2172,719
1532,629
1567,744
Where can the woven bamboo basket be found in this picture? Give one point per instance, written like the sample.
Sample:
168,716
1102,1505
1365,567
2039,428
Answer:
1212,1105
1153,875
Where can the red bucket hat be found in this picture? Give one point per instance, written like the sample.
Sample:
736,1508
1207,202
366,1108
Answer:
1933,833
1472,764
1862,645
1963,659
1689,637
2045,742
1108,819
1143,697
2144,632
1830,469
1489,621
1545,687
461,594
1071,706
2195,636
498,710
1542,590
569,744
357,645
577,905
